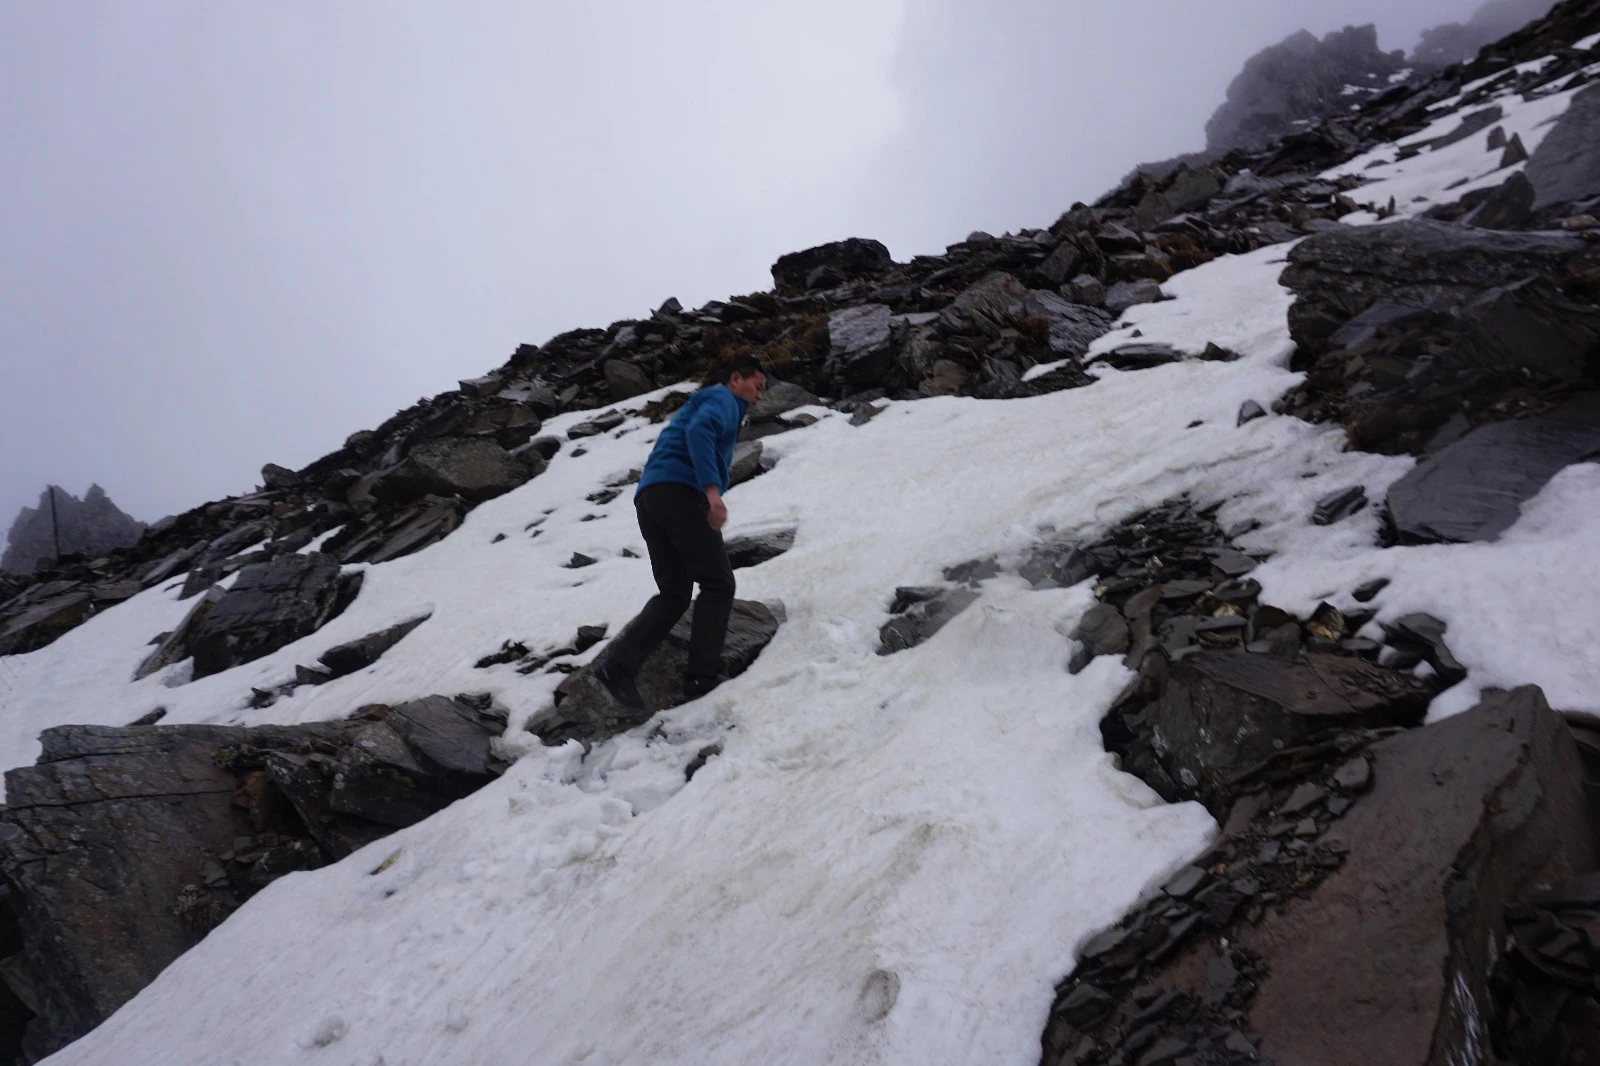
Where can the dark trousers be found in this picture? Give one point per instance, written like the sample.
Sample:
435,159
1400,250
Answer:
684,551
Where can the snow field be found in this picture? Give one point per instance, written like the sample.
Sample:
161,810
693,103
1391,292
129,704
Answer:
894,858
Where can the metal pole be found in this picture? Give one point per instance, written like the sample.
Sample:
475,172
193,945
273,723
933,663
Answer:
55,525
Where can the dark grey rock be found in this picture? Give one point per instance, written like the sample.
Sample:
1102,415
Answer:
469,467
1249,411
1565,168
1473,489
1473,122
174,647
625,380
604,422
1222,713
269,605
781,398
848,259
274,476
1391,963
1337,506
1102,631
756,548
585,711
1366,591
1086,290
859,344
359,654
1126,294
1140,356
986,307
922,619
746,462
1423,634
122,848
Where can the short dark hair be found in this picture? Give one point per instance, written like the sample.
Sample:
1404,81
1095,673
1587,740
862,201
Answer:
743,365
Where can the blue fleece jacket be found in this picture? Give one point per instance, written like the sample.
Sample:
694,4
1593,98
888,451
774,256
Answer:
696,448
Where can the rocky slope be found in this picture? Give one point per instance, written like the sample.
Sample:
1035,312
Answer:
1218,474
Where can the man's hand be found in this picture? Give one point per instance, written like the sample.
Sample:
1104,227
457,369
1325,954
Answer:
718,516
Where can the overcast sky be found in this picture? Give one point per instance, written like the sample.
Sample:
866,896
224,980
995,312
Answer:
233,234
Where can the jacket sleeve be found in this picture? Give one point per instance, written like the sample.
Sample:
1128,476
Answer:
703,434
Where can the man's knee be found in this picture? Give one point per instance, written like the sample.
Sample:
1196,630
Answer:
673,602
718,585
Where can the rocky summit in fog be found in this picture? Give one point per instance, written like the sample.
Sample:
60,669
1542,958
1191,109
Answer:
1164,639
62,524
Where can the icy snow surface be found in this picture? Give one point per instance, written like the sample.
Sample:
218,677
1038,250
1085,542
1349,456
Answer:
894,858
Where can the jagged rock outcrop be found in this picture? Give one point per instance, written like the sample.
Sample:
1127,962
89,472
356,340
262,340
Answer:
88,527
1457,42
1287,87
1409,328
123,847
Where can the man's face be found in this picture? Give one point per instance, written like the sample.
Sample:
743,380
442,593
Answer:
749,389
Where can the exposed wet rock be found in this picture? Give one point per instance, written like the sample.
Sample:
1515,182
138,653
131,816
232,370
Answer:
1565,168
270,605
123,847
1126,294
1337,506
359,654
468,467
859,338
585,711
1474,488
1404,327
1352,917
756,548
919,613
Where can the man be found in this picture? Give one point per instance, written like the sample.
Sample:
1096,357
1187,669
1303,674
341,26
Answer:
681,514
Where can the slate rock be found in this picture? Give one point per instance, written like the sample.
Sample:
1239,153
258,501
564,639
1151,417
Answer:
1565,168
781,398
756,548
174,647
746,461
625,380
359,654
1126,294
1391,963
1423,634
470,467
42,623
1140,356
922,619
269,605
986,307
1473,489
859,344
274,476
1337,506
1102,631
1085,290
604,422
123,847
1417,263
1221,713
1249,411
585,711
1508,207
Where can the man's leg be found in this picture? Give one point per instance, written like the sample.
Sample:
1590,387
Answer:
680,513
640,637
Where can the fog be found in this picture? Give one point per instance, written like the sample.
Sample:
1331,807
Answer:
233,234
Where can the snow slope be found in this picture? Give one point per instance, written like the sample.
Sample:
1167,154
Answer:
894,858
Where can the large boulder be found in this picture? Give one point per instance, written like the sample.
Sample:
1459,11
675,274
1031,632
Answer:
472,468
123,847
1474,488
585,711
986,307
1418,263
1222,714
829,264
270,605
45,618
859,344
1565,168
1392,961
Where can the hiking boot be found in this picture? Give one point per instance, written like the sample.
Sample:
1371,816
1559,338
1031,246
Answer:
697,685
620,684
